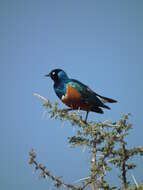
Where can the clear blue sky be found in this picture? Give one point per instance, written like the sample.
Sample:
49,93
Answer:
97,42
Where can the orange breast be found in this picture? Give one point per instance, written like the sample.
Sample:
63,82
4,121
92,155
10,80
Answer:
73,99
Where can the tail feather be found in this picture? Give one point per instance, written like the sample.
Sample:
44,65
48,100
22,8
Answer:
106,100
104,106
110,100
97,109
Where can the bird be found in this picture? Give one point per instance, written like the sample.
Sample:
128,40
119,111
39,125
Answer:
76,95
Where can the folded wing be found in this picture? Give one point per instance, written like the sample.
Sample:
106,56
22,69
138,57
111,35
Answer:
89,97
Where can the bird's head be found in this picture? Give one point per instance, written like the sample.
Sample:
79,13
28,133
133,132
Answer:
57,75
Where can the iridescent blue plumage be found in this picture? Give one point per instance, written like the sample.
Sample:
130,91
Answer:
76,94
61,83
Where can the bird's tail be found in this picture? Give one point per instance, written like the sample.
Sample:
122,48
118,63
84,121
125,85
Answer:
107,100
107,107
97,110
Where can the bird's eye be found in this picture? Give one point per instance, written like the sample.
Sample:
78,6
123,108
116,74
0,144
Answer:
53,73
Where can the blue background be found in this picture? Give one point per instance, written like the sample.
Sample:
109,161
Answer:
97,42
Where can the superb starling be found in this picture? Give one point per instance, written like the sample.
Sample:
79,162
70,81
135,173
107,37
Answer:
77,95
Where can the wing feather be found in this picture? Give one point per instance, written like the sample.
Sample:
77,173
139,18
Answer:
87,95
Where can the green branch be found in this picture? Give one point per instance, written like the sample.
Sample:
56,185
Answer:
105,138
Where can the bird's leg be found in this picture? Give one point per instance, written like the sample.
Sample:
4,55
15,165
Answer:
86,116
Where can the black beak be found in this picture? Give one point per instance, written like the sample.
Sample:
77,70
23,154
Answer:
48,75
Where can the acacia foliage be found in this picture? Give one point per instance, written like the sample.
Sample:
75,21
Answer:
107,139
